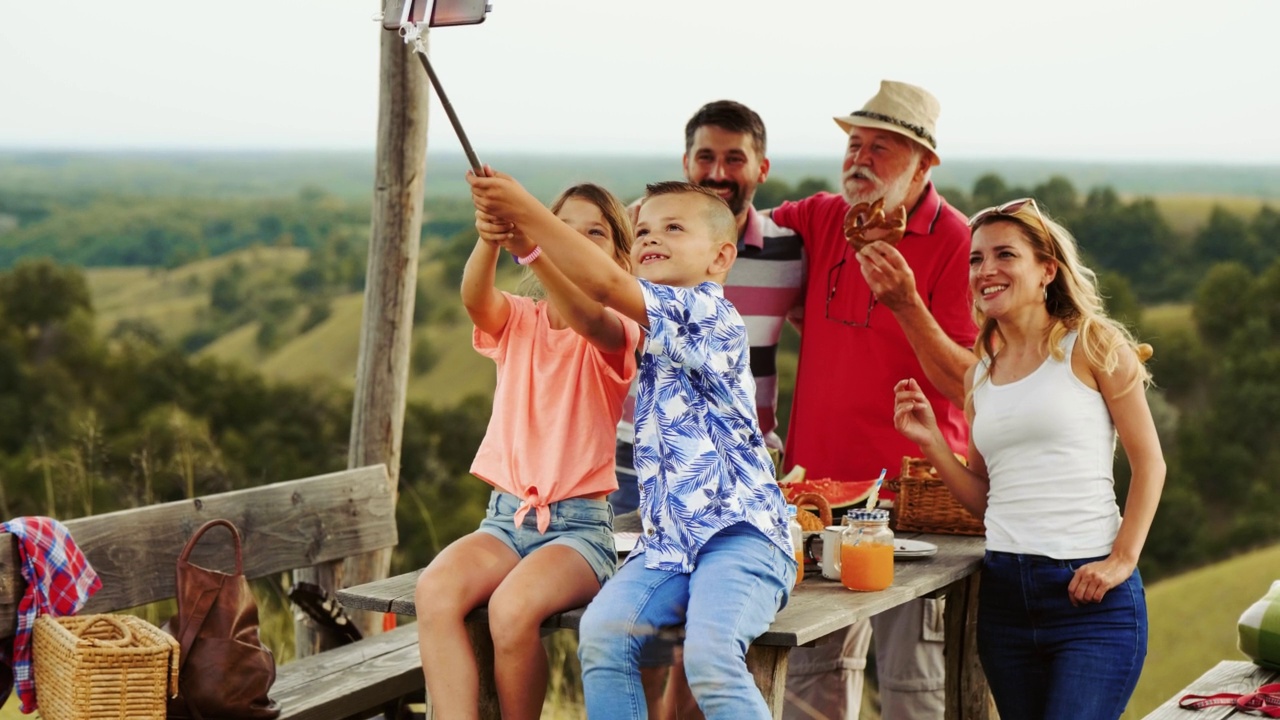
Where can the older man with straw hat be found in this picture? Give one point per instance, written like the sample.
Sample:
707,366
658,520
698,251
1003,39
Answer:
887,299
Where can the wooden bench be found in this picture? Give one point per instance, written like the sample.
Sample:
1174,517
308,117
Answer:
1228,676
284,526
819,611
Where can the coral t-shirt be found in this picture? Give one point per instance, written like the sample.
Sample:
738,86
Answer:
557,402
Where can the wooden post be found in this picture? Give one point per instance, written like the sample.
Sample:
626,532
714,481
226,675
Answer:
768,667
382,371
967,694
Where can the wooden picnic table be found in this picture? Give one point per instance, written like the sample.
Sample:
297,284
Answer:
819,611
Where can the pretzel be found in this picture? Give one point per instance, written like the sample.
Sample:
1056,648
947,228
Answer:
863,217
816,501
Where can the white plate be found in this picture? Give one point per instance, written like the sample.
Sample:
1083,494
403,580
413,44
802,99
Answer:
625,542
913,549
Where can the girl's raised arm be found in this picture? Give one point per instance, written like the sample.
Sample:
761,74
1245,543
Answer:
585,316
488,308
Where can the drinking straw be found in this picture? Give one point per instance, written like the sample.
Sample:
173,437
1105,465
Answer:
875,490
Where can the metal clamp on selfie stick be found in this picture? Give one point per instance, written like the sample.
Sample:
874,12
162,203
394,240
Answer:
406,16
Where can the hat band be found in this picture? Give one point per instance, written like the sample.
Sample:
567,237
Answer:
915,129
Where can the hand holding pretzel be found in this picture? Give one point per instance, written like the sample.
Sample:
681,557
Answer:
866,223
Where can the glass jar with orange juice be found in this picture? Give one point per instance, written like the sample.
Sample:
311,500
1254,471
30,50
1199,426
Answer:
866,551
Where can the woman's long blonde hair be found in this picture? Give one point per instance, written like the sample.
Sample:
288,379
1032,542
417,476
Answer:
615,217
1071,298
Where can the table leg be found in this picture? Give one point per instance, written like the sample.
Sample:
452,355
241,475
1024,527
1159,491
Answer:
768,665
967,694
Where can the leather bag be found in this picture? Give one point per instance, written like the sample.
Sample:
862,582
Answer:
224,672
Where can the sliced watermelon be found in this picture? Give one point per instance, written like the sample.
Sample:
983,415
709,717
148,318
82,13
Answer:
838,493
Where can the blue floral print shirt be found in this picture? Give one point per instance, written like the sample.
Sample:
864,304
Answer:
699,455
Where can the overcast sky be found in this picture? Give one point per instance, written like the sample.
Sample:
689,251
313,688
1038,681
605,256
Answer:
1071,79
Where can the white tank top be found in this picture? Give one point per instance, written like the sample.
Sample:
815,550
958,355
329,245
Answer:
1049,445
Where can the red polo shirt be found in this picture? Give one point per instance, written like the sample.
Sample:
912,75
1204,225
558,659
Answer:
842,412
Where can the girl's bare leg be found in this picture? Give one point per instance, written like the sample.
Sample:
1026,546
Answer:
552,579
458,580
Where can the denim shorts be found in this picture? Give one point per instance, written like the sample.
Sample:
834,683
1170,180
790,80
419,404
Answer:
584,525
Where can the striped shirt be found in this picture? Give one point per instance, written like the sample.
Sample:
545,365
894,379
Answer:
766,286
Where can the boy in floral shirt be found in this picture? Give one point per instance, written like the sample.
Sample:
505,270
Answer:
715,553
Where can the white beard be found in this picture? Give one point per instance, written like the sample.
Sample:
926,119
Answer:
894,193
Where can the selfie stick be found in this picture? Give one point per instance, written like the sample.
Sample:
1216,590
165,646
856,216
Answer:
413,33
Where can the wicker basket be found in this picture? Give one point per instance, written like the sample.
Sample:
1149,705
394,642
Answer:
103,666
925,504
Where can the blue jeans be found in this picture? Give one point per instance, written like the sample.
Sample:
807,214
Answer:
1046,658
740,582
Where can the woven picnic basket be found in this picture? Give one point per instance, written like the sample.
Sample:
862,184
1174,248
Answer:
103,666
924,503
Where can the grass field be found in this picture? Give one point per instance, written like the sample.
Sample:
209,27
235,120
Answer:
1193,622
1188,213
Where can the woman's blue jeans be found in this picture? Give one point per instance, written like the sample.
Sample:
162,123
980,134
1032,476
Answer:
1044,657
740,582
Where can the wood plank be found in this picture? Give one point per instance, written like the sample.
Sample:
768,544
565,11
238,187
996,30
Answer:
350,679
382,595
284,526
1228,676
820,607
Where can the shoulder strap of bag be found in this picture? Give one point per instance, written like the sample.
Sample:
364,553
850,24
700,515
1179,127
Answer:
201,606
235,541
1264,701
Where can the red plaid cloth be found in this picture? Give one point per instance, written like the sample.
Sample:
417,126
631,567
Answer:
59,582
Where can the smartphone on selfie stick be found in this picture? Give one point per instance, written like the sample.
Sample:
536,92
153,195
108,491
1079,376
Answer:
411,17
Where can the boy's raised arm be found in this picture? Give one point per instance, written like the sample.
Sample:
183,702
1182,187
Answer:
575,256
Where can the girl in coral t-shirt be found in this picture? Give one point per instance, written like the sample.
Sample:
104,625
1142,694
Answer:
546,544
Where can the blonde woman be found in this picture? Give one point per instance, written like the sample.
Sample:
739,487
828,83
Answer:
1062,620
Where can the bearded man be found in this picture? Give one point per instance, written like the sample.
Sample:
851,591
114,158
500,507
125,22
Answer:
897,308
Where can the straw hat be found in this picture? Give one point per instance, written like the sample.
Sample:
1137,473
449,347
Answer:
900,108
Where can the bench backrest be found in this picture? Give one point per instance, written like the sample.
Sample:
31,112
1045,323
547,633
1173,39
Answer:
283,526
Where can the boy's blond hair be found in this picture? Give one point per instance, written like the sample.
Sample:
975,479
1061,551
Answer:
721,224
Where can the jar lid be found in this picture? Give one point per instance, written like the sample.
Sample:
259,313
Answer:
864,515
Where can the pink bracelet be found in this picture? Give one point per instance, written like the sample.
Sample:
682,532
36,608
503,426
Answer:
525,260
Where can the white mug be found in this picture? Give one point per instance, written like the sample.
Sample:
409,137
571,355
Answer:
831,539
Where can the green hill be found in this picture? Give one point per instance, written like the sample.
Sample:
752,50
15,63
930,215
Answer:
172,300
1193,622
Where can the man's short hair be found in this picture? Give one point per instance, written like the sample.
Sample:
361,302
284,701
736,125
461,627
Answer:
720,220
731,116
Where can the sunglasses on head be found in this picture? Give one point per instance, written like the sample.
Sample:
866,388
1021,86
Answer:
1010,209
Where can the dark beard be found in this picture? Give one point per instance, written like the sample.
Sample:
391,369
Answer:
737,203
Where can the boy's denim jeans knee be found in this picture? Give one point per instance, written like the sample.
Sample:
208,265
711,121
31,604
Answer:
1046,658
740,582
